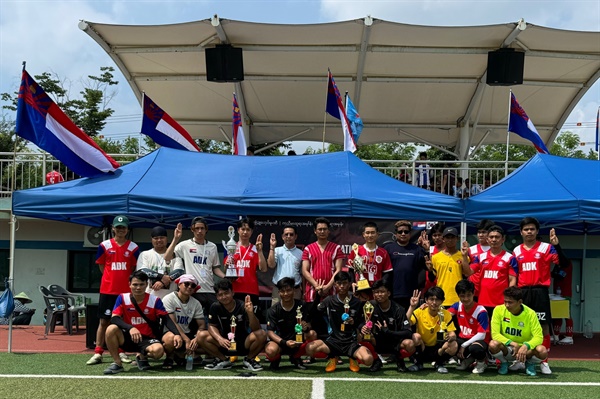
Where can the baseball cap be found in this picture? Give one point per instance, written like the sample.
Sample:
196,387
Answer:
120,220
158,231
450,231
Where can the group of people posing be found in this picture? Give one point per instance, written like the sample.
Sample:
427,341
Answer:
428,300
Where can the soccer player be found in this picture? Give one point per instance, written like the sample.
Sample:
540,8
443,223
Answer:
376,261
389,327
116,258
516,333
286,260
345,316
218,341
281,327
429,321
482,245
474,325
535,259
135,326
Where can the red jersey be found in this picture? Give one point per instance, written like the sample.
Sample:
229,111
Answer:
491,278
535,264
152,307
376,263
322,264
54,177
474,322
246,262
119,262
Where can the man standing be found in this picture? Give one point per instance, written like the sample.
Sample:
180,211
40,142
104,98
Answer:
116,258
54,176
535,259
407,260
286,260
161,273
134,325
482,245
376,260
232,329
422,171
200,259
516,333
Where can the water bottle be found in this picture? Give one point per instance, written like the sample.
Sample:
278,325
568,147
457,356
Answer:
189,362
558,291
588,330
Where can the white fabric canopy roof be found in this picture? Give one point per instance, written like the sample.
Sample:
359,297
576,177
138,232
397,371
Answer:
410,83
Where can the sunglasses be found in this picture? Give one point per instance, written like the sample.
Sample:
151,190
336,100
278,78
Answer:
402,231
188,284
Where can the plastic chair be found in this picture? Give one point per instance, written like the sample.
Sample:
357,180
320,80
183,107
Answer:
55,306
57,290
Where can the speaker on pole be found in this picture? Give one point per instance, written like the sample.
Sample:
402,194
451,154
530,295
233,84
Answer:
224,63
505,67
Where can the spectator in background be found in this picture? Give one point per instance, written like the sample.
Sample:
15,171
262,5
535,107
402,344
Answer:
54,176
422,171
21,314
457,190
291,152
250,150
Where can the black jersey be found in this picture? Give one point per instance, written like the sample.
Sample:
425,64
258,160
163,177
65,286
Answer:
334,308
398,326
283,322
220,318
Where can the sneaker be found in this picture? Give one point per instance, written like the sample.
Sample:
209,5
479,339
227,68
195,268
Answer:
376,366
218,364
545,368
95,359
530,368
566,341
416,367
480,367
442,370
503,369
124,358
516,366
233,359
553,339
465,363
274,365
251,365
453,360
383,361
331,364
114,368
353,364
142,364
298,363
400,366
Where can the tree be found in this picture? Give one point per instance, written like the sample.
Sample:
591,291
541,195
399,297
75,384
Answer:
380,151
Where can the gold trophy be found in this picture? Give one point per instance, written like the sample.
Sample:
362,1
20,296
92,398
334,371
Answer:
368,312
298,326
231,335
346,314
359,267
230,247
442,334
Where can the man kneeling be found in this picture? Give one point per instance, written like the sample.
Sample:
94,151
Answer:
134,325
516,333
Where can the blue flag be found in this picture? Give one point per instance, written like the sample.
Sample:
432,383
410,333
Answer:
356,122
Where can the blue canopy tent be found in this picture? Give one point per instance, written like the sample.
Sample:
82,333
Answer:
168,186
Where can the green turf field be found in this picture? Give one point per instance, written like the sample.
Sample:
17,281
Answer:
67,376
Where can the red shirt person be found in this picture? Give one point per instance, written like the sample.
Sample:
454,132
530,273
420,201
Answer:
54,176
376,260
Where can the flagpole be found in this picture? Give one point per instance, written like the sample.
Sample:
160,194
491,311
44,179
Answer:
325,113
507,133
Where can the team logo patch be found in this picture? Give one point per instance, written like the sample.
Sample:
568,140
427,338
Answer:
521,324
146,311
107,312
537,255
378,259
210,317
471,320
501,263
126,254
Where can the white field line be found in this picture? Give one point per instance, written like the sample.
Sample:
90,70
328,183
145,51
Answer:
366,379
318,388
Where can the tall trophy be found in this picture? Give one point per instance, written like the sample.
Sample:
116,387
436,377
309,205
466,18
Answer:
442,334
230,247
346,314
298,326
231,335
358,263
368,312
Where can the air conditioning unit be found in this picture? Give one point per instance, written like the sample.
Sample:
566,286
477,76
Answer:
93,236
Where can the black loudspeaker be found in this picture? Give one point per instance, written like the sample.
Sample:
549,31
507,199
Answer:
224,63
505,67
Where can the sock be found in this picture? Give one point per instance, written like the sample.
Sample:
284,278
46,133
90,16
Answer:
275,358
546,343
556,326
320,355
98,350
404,354
569,323
500,356
301,351
536,360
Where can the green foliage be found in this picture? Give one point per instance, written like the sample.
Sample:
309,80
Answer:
383,151
7,137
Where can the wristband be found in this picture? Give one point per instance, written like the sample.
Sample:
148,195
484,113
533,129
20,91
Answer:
508,342
282,343
527,345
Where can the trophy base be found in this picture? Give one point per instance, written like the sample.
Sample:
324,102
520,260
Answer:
233,346
231,273
367,337
343,327
363,284
299,338
442,336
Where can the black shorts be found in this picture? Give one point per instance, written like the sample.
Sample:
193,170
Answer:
341,348
387,346
130,346
106,304
430,354
467,351
538,299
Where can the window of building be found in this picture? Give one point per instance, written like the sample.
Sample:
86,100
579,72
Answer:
4,270
84,275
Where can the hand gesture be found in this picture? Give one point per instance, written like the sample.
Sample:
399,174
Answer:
319,286
414,300
553,237
248,305
259,244
423,241
428,263
178,232
465,248
273,241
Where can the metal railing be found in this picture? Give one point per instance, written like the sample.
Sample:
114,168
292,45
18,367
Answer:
31,169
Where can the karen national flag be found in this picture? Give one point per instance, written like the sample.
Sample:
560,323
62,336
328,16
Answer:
164,130
335,108
42,122
520,124
356,123
239,141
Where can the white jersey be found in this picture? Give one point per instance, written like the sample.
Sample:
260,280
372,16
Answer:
184,312
199,260
154,261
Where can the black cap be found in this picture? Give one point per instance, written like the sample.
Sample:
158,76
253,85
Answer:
450,231
158,231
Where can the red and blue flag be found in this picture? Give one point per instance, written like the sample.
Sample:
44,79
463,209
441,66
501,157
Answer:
239,141
335,108
520,124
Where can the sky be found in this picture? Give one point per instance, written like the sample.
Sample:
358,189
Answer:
45,34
